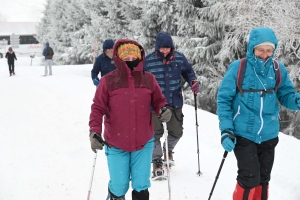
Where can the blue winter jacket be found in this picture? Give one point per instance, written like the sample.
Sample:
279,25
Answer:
168,75
45,51
253,116
103,63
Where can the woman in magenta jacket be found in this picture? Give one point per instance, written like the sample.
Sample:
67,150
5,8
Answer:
125,96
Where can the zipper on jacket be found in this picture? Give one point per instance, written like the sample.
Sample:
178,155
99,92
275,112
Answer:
260,115
237,113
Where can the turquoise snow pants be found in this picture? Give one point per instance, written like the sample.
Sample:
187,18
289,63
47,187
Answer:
125,166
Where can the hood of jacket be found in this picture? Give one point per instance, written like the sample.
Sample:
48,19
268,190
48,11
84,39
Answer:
47,44
258,36
163,39
120,64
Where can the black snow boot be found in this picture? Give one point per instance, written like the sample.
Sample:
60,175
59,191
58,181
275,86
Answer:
142,195
114,197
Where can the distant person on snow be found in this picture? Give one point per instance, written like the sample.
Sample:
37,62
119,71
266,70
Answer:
104,62
11,57
123,100
249,114
168,66
48,53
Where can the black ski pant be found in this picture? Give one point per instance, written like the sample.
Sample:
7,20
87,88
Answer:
255,161
142,195
11,67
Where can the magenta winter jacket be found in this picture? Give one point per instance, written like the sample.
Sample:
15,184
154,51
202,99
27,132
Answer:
123,98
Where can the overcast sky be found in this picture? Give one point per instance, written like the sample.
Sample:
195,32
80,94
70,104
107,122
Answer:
21,11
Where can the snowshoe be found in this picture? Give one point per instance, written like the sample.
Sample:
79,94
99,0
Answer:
158,172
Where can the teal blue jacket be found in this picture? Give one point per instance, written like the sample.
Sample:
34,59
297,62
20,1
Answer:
253,116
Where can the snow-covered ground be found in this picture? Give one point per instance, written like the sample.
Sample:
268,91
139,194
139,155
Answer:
45,150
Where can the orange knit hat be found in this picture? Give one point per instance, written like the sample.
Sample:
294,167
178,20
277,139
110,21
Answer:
129,49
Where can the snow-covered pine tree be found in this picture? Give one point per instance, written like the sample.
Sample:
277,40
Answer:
45,24
112,20
96,32
158,16
131,11
117,26
77,20
58,31
200,41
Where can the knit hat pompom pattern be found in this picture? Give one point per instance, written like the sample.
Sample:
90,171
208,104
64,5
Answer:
129,49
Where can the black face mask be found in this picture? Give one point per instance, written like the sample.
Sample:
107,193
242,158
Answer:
132,64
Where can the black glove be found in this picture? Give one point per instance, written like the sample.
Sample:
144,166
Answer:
165,114
96,141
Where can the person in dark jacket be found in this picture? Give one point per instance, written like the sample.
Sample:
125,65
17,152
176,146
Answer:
123,99
104,62
11,57
168,65
48,53
249,121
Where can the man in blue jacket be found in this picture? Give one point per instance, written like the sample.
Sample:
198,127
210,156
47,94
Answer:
249,122
48,53
104,62
168,66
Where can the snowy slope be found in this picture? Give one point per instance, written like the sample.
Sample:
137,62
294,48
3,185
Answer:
45,152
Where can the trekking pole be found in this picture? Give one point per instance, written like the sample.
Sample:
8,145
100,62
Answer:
232,137
89,192
168,166
219,171
195,100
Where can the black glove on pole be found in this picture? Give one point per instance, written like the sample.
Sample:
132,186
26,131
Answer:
195,100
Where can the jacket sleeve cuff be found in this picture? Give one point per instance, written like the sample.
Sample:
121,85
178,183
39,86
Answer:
226,125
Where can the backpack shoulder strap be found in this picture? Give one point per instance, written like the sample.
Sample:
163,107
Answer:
241,75
278,75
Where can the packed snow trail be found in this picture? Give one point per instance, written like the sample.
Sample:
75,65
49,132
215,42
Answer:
45,149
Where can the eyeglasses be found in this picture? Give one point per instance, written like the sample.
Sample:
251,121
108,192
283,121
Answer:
262,51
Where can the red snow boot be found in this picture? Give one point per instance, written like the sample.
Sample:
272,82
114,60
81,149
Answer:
242,194
261,192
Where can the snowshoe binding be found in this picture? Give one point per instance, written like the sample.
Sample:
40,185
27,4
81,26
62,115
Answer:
158,172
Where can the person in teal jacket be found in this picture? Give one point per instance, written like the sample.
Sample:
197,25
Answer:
249,123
